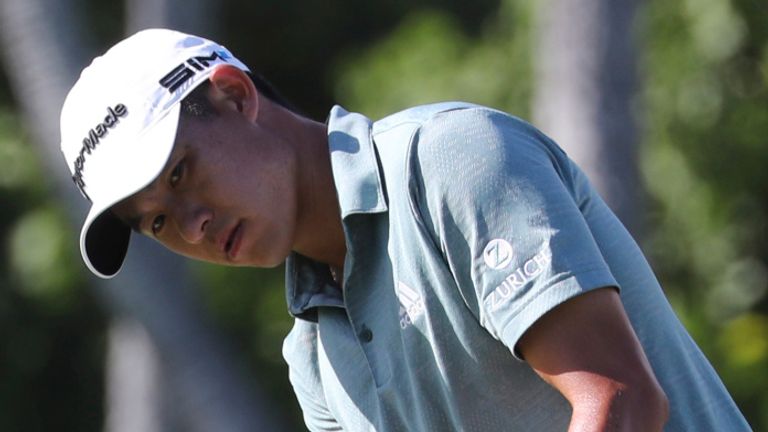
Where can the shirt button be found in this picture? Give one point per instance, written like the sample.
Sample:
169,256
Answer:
366,335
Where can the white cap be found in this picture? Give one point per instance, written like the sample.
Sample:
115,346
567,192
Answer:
118,127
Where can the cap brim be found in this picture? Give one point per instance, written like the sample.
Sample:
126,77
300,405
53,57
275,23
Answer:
104,244
104,238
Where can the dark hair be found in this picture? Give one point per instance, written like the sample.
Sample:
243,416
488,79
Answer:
197,105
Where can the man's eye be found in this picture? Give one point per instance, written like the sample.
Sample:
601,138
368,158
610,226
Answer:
176,174
157,224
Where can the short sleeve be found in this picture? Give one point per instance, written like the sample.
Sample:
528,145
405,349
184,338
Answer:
501,202
300,352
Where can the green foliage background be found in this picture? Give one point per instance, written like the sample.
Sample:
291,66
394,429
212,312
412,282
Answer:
703,110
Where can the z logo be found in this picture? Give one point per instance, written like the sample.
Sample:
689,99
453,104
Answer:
498,254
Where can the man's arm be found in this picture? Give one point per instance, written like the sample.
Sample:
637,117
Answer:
587,350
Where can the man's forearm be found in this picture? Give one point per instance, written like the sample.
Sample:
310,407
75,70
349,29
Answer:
618,408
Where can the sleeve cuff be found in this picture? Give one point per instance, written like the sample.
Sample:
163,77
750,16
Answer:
552,296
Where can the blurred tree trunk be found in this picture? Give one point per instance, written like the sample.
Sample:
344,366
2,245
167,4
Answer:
133,380
584,93
178,360
191,16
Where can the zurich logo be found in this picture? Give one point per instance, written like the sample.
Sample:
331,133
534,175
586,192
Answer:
498,254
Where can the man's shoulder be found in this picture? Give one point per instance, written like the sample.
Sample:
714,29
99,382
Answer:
439,121
419,114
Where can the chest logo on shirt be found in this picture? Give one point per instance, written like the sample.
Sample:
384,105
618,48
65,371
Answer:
498,254
411,304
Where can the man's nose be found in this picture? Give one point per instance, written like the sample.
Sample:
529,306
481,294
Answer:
192,221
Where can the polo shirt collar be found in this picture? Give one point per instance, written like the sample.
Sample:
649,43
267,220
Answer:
355,163
357,178
309,284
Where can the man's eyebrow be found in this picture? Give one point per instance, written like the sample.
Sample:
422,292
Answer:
133,221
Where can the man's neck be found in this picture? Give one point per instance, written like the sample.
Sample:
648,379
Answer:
319,233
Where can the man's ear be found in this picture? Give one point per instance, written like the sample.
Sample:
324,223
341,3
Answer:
232,88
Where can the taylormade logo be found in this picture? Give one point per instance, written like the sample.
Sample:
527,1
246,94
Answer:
183,72
92,140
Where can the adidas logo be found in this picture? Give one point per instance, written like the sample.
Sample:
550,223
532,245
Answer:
411,304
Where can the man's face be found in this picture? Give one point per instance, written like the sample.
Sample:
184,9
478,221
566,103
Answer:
226,195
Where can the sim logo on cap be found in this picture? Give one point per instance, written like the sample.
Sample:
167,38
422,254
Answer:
183,72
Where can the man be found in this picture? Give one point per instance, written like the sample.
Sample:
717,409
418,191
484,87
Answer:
448,267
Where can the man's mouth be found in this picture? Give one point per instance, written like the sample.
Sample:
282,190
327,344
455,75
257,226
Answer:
232,245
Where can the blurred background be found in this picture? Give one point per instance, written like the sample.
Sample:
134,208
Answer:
665,105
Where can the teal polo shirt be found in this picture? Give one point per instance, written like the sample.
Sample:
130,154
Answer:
464,225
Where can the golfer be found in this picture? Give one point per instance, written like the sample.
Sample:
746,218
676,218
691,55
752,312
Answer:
448,267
